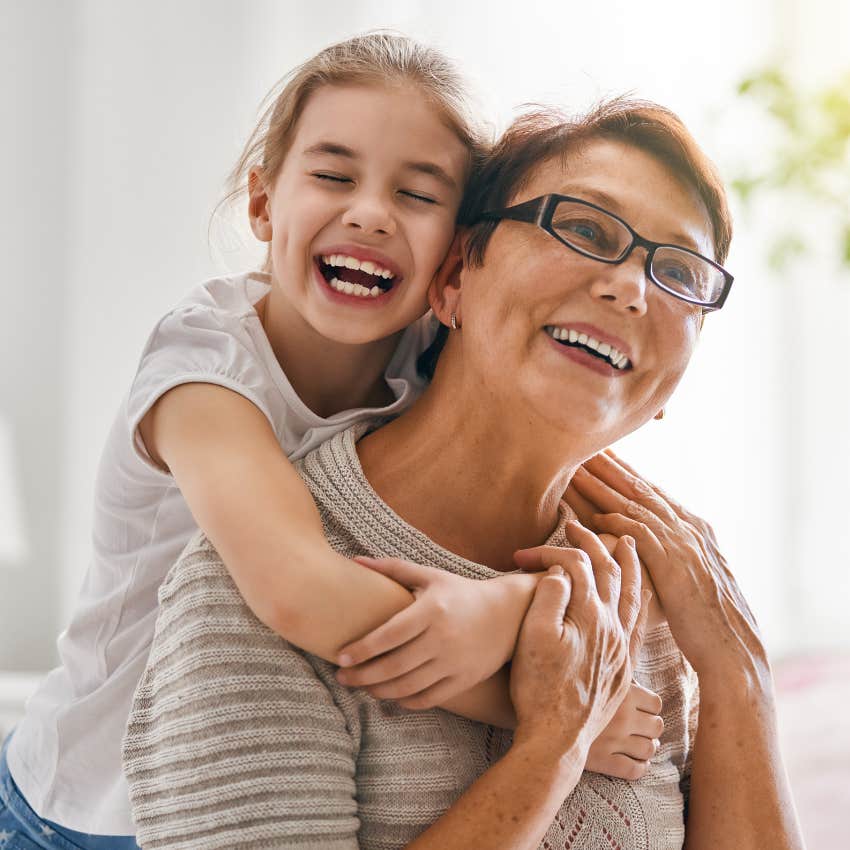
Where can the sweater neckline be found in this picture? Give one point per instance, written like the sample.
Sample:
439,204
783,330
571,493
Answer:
335,473
382,530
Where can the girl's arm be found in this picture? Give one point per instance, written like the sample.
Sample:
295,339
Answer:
257,511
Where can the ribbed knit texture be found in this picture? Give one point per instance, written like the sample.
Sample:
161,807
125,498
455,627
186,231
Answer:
239,740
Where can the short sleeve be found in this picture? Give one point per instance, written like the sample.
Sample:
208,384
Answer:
197,344
233,739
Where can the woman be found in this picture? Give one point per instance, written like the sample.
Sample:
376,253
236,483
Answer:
575,305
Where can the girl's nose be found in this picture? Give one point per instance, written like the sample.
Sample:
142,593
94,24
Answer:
370,214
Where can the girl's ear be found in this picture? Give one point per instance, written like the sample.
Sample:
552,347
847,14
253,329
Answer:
444,292
258,206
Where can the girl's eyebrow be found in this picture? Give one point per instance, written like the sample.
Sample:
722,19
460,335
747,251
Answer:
429,168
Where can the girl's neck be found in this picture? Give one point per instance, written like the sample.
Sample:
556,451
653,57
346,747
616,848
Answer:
476,483
328,376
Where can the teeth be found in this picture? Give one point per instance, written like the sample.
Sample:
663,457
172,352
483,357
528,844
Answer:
355,289
614,356
346,262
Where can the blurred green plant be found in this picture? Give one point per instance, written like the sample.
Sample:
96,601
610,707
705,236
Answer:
811,159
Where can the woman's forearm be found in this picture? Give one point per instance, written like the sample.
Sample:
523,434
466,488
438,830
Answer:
512,805
740,798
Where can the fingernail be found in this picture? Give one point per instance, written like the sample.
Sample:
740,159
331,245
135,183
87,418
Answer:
630,541
556,570
345,660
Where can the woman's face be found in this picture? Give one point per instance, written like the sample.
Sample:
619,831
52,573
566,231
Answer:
530,285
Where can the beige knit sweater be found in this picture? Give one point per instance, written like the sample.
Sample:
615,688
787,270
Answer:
239,740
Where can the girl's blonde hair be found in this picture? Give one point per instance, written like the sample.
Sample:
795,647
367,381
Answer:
373,58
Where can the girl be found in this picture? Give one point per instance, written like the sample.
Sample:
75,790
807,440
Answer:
355,177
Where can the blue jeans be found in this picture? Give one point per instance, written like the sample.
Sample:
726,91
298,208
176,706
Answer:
22,829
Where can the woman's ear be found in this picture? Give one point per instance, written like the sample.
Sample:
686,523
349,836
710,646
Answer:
258,206
444,292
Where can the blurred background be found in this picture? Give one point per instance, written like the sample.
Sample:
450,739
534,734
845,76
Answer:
122,119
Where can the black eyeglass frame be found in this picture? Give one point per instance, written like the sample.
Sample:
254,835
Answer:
540,211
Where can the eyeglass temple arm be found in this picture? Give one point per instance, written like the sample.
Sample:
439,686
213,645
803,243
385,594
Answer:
531,211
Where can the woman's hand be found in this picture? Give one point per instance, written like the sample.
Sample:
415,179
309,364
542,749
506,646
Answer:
630,740
572,667
458,632
708,615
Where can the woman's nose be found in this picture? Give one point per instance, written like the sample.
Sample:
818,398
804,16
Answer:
370,214
623,285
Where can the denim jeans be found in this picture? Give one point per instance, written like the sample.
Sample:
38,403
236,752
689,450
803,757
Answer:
22,829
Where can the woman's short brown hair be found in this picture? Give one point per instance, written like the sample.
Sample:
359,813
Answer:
543,134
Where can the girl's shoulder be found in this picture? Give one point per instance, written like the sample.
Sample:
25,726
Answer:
232,298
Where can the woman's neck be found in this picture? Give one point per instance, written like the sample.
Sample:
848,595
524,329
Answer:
477,484
328,376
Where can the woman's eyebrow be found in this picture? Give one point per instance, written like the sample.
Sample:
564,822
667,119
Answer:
422,167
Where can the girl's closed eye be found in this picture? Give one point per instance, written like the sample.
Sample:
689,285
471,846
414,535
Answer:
331,178
426,199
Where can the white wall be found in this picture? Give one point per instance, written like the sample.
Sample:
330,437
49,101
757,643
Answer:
128,117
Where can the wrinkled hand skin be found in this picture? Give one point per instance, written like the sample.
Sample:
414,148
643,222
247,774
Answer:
693,583
572,668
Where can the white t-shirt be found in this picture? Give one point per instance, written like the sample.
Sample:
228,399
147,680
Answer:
65,755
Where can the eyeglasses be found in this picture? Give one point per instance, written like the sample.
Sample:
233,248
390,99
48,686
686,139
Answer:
596,233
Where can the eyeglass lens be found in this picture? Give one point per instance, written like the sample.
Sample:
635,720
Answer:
597,234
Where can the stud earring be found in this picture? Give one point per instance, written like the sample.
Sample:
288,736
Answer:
660,414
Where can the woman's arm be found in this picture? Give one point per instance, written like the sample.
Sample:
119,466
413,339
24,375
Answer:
739,795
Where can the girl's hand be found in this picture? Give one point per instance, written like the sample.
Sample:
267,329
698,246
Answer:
457,633
572,667
708,615
630,740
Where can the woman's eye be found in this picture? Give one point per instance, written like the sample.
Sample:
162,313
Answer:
585,231
678,274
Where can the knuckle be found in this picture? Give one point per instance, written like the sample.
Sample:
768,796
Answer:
636,770
659,727
641,488
657,704
646,749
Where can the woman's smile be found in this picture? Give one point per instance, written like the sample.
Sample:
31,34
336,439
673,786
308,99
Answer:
603,349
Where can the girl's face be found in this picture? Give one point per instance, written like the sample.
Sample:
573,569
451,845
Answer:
531,286
363,209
